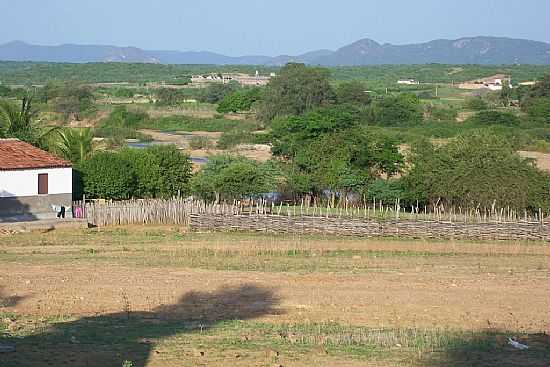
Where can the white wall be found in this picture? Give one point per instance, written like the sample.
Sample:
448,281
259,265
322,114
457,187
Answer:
25,182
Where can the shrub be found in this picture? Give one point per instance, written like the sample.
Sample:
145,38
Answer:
226,178
539,110
476,104
239,100
494,118
174,168
479,168
108,175
200,142
401,110
155,172
232,138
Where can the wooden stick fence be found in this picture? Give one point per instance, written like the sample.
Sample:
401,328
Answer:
369,220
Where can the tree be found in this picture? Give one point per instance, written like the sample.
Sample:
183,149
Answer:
539,110
294,132
76,145
20,122
475,169
494,118
296,90
108,175
169,96
72,100
505,94
401,110
175,170
226,178
240,100
535,101
162,171
216,92
352,92
476,104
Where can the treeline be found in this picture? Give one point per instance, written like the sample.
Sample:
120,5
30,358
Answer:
25,73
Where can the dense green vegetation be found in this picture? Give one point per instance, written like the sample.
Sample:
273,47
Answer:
479,168
228,178
27,73
155,172
332,139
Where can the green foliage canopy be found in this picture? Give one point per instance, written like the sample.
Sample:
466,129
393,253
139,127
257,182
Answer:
474,169
296,90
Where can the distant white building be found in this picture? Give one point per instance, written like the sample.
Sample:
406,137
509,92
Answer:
32,180
408,82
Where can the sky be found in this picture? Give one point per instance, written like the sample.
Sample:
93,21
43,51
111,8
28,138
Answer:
266,27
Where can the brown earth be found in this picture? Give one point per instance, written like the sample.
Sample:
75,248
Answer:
87,274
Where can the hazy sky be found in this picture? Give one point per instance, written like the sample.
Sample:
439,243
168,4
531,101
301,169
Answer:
269,27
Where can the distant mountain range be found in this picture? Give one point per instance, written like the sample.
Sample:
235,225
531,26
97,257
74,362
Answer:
473,50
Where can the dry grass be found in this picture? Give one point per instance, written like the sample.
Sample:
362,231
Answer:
315,300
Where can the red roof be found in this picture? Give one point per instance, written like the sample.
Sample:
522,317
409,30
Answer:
16,155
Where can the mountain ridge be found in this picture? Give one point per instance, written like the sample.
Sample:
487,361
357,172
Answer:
467,50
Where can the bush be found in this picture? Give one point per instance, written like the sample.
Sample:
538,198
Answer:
169,96
539,110
232,138
494,118
442,114
183,123
200,142
226,178
476,104
108,175
155,172
215,93
386,191
240,100
401,110
479,168
122,124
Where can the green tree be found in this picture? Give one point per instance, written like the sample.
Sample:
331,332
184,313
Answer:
240,100
401,110
476,104
20,122
175,170
216,92
539,110
292,133
296,90
76,145
169,96
72,100
474,169
352,92
226,178
107,175
505,94
494,118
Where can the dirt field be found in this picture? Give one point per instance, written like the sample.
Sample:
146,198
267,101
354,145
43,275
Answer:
542,159
161,297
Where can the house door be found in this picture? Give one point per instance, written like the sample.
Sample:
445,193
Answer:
42,184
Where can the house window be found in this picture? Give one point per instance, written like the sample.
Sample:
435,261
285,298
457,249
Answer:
42,184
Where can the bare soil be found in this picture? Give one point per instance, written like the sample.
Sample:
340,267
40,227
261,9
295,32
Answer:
376,283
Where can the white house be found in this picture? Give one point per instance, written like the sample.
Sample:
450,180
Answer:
408,82
32,180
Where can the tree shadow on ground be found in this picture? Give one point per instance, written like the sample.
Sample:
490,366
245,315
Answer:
111,339
492,349
9,301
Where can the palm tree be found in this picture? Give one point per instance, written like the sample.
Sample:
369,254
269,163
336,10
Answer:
21,123
76,145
